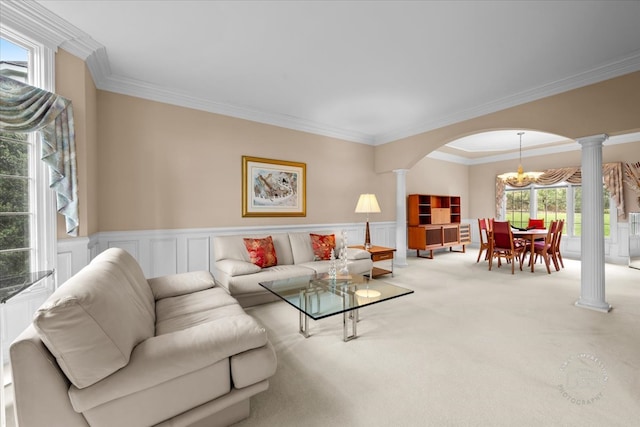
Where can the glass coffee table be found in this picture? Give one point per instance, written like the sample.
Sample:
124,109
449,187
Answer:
318,296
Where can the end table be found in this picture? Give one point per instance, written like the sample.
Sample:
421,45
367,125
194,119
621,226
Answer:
379,253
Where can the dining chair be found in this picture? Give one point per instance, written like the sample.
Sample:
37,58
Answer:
556,256
535,223
484,238
544,247
503,245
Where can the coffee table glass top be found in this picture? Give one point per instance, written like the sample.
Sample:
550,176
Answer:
319,297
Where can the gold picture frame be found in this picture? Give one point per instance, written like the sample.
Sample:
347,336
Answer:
272,188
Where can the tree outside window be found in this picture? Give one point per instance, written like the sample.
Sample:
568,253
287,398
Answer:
16,182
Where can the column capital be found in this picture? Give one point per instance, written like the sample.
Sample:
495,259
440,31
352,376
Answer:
400,171
593,139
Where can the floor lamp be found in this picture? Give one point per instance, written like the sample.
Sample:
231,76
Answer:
367,203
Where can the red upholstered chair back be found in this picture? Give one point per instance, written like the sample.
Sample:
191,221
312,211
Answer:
502,237
536,223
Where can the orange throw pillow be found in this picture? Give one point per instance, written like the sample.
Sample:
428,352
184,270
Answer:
261,251
322,245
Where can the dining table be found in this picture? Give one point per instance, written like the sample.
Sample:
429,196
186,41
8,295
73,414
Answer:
530,235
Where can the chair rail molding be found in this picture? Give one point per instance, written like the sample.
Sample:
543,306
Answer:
162,252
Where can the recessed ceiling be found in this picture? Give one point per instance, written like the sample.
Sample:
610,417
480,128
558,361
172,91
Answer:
364,71
504,140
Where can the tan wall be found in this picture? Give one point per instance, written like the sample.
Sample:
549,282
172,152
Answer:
611,107
482,177
147,165
430,176
166,167
74,82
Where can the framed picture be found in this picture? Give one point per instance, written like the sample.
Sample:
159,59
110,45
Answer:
273,187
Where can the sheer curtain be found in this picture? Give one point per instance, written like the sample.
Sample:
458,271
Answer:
24,108
611,172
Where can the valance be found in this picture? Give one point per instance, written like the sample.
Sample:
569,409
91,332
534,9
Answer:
611,172
25,108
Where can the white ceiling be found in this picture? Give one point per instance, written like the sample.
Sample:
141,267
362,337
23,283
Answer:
365,71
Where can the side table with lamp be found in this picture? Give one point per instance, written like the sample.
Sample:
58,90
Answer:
368,203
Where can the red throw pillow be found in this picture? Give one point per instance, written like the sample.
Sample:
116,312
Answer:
322,245
261,251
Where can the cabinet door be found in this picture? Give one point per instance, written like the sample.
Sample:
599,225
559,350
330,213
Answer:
417,238
450,234
433,237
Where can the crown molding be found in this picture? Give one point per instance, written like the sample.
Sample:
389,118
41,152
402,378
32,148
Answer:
35,21
151,92
626,65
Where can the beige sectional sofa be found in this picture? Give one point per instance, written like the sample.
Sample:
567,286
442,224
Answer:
111,348
234,271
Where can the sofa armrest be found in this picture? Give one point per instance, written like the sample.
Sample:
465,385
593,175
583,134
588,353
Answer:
355,253
164,357
180,284
236,267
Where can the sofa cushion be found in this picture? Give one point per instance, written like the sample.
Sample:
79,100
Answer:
186,311
92,323
165,357
322,245
180,284
261,251
232,247
151,406
236,267
121,259
248,284
250,367
301,247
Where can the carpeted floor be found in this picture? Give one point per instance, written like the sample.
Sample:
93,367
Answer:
470,347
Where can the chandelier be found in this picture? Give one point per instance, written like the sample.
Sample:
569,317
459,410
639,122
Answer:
520,174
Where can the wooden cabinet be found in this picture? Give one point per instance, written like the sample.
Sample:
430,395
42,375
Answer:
434,223
425,209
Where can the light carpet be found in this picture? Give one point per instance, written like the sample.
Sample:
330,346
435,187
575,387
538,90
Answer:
470,347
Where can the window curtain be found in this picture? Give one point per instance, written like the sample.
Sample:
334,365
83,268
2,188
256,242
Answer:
611,172
24,108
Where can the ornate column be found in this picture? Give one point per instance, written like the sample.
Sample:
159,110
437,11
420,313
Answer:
592,283
400,258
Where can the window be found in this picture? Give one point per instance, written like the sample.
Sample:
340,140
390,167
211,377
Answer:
27,205
577,216
551,203
15,209
518,207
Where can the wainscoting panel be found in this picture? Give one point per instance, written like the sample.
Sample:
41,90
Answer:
164,256
18,312
65,266
162,252
132,245
72,255
198,253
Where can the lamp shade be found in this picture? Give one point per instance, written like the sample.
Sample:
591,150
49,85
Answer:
367,203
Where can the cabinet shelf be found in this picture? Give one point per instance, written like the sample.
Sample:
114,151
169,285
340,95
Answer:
434,222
